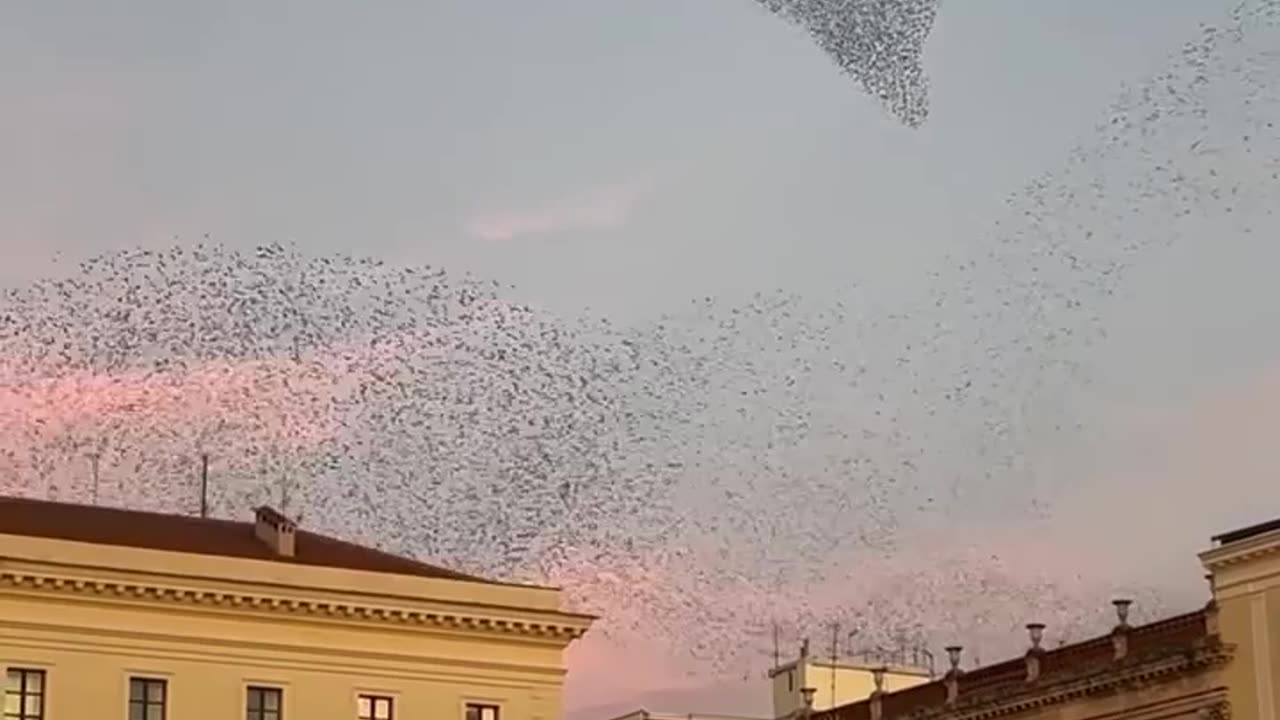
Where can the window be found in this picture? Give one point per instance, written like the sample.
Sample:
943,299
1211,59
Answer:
374,707
147,699
24,695
265,703
481,712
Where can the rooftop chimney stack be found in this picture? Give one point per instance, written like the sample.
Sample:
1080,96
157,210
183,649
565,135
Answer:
1036,631
877,695
953,675
1120,635
276,531
807,693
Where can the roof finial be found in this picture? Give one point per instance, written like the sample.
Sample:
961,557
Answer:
876,701
953,675
953,655
1036,631
1120,635
1122,610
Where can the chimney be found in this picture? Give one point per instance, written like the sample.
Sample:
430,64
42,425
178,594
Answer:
1036,631
953,675
1120,634
807,693
276,530
877,695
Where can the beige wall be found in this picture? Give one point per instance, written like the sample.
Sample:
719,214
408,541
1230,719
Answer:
211,638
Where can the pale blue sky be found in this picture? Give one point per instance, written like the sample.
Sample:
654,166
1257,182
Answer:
384,126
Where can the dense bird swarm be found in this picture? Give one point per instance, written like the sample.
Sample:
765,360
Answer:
876,42
692,480
397,400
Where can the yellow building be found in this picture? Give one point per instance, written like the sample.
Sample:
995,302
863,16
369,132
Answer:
109,613
1244,568
1218,663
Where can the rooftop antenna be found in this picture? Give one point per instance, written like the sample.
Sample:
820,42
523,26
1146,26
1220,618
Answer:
204,485
93,467
835,657
928,658
286,487
777,659
850,647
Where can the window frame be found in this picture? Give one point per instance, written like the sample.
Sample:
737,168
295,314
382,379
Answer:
24,673
146,703
480,707
374,698
262,712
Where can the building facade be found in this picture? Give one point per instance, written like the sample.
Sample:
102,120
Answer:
108,613
1216,663
834,683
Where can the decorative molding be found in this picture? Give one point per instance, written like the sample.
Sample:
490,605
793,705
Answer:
1240,552
34,640
1220,710
339,610
1096,679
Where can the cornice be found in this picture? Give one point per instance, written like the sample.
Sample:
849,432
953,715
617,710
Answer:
368,662
1241,552
320,609
1005,701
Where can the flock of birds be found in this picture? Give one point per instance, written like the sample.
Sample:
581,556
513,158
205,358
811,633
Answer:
693,479
879,43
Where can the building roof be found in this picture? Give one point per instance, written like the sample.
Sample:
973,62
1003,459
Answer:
199,536
1245,533
1179,631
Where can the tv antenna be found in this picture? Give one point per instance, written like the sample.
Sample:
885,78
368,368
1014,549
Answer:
204,485
93,470
835,657
777,659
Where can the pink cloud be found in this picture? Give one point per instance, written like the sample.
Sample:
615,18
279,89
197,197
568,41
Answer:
50,421
603,208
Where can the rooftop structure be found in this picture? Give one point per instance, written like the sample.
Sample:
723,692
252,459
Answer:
204,536
122,613
1209,663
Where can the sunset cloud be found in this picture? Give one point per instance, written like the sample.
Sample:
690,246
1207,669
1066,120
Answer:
602,208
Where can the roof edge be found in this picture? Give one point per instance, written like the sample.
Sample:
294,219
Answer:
1066,650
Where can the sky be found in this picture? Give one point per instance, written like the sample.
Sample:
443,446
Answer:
623,159
619,156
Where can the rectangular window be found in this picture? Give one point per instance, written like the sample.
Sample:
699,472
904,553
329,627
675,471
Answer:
24,694
265,703
374,707
148,699
481,712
